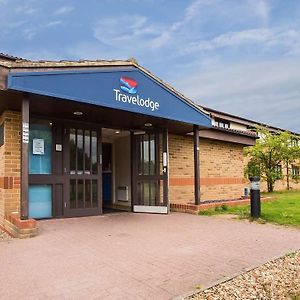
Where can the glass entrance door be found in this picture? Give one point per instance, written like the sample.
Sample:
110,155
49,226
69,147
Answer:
150,172
40,170
82,170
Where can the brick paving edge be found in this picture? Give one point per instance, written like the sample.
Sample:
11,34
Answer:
226,279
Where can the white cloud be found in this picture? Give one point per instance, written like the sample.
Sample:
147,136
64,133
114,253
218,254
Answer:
263,36
29,33
27,8
169,33
161,40
262,9
232,39
194,8
265,91
133,35
63,10
53,23
185,35
145,32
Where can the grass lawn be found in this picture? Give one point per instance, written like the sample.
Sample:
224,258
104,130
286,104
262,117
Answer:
285,210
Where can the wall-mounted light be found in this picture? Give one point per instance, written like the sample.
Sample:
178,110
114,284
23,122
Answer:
78,113
117,132
148,124
139,132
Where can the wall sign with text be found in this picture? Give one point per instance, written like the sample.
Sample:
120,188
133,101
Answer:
38,146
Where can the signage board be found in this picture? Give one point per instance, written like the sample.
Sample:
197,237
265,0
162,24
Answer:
255,185
128,89
25,133
38,146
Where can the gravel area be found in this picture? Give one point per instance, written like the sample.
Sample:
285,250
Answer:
4,236
277,279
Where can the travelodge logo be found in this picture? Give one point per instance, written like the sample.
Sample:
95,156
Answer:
129,86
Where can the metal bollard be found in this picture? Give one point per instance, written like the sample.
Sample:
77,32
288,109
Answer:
255,197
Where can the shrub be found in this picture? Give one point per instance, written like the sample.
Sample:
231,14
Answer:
220,208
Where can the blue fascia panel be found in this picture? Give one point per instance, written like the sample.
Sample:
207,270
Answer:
127,89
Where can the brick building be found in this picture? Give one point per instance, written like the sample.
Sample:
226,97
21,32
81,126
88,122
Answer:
228,121
80,138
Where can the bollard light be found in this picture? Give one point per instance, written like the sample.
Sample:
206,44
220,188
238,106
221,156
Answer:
255,197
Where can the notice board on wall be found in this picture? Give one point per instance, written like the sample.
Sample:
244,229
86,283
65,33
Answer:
38,146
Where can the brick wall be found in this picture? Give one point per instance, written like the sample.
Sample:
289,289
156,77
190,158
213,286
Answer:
280,185
3,77
181,169
10,163
221,169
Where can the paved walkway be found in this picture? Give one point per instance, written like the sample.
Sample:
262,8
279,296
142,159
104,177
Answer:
134,256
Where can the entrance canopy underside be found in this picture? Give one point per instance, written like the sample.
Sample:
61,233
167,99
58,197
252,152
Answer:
113,91
52,108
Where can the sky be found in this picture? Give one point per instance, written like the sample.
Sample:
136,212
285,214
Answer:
238,56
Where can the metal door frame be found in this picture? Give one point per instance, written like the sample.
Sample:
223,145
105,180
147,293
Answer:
78,212
135,177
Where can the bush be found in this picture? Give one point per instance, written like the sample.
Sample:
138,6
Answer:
221,208
224,207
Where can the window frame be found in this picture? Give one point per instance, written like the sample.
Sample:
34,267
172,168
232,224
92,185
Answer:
222,123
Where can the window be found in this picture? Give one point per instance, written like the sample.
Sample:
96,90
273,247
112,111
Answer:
147,155
40,201
295,171
222,123
40,147
295,142
278,169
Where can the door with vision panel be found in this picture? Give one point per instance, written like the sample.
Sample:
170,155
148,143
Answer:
82,171
150,172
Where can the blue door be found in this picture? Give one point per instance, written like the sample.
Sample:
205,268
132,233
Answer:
40,162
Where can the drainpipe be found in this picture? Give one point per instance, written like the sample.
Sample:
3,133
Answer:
196,165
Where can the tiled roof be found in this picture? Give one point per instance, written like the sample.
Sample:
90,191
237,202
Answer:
22,63
242,120
243,132
9,57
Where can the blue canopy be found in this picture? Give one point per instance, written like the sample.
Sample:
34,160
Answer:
128,89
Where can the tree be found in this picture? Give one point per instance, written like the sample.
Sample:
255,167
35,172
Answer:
291,155
270,150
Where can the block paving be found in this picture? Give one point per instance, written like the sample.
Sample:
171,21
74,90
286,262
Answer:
135,256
